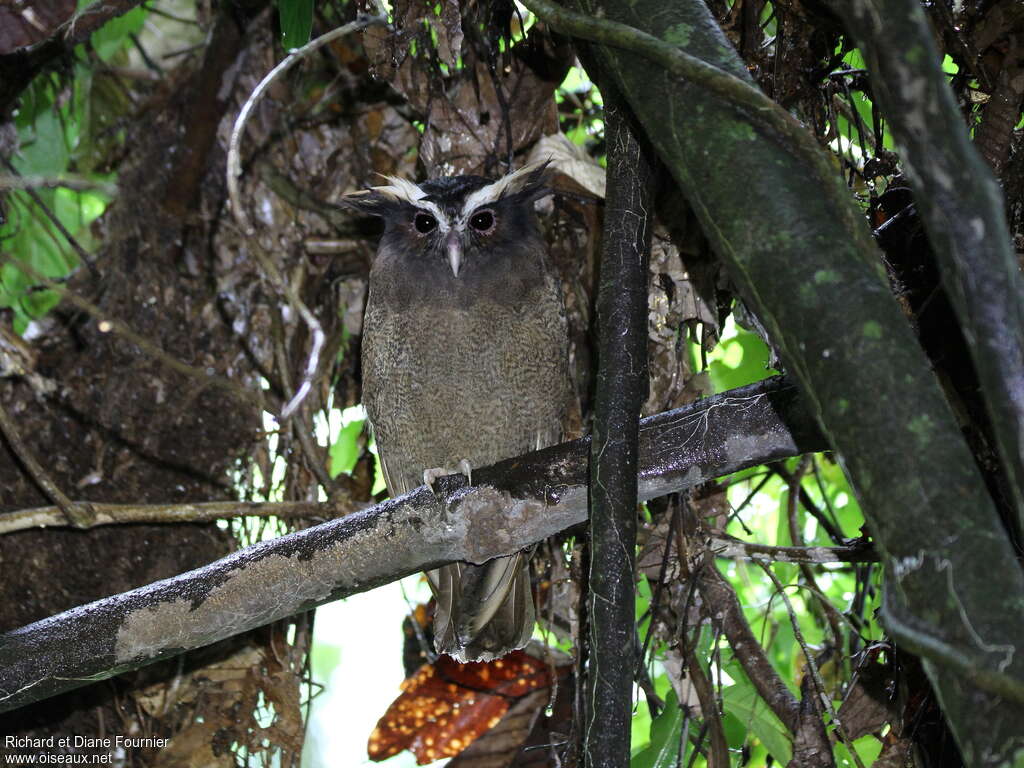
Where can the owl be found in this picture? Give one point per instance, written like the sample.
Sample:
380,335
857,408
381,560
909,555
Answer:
465,361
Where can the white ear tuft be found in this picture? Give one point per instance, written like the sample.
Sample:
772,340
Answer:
400,189
517,181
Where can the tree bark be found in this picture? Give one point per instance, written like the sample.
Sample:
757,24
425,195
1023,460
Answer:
619,394
961,207
518,502
801,256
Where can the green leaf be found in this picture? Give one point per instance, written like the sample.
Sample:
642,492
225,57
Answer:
43,150
666,732
296,17
38,303
742,701
114,35
868,748
345,451
739,360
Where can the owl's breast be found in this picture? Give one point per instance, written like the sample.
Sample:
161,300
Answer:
446,381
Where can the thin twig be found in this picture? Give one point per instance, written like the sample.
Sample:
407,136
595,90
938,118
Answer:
120,514
314,458
82,253
796,536
830,527
719,757
78,515
234,172
812,665
717,592
168,15
73,182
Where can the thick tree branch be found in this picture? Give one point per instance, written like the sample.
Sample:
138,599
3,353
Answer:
961,206
858,551
803,261
518,502
618,396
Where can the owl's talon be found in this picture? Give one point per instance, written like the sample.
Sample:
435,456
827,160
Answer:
430,477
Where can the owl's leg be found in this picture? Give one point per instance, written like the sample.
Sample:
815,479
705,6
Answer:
430,475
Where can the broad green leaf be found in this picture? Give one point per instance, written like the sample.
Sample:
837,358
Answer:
737,361
44,150
736,732
114,35
345,451
666,732
741,700
38,303
296,18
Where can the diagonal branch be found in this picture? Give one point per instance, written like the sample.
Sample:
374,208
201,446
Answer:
801,258
961,207
518,502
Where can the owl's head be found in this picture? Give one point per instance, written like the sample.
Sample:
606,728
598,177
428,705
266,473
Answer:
456,220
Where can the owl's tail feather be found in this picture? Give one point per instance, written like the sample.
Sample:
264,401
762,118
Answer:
483,611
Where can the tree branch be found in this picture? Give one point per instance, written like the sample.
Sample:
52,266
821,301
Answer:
204,512
78,514
618,396
17,69
802,259
961,207
518,502
727,613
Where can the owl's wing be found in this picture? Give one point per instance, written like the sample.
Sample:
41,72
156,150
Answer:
396,484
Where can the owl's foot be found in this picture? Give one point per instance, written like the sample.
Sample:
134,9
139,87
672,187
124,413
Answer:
430,475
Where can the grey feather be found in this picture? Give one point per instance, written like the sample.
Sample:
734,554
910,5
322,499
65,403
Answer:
468,366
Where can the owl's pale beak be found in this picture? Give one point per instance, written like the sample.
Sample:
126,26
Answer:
453,244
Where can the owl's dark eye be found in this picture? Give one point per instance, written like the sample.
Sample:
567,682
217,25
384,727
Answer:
482,221
424,223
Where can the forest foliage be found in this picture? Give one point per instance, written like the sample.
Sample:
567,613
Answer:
815,622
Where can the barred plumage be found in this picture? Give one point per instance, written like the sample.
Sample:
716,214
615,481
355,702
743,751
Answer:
465,357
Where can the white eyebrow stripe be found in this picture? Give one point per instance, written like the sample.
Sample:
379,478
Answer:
404,190
496,190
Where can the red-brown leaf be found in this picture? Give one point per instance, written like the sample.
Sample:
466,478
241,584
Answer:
446,705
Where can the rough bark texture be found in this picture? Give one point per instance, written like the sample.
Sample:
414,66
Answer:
816,284
962,210
678,449
619,393
111,421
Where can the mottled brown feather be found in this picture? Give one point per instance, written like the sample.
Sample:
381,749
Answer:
474,367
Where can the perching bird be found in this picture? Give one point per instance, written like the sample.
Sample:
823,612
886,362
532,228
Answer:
465,359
